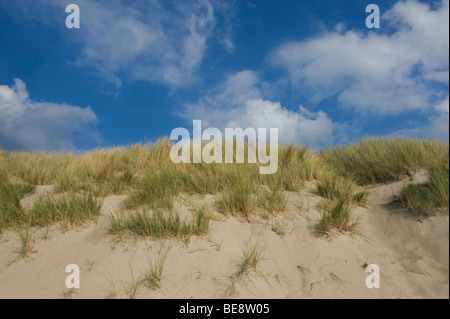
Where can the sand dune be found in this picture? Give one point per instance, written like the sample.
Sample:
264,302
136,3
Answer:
412,254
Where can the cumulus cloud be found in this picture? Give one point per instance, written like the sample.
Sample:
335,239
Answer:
30,125
301,127
238,102
372,71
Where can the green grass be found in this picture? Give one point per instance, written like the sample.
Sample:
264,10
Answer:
26,239
159,224
334,187
69,209
250,260
156,189
65,183
426,198
134,286
273,200
151,279
151,180
153,276
239,195
11,212
375,160
337,215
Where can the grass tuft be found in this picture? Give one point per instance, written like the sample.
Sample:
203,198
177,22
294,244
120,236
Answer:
159,224
375,160
274,200
69,209
153,277
336,216
250,260
426,198
26,239
11,212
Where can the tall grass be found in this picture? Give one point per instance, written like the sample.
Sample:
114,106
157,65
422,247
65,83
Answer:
147,175
159,224
156,190
239,195
11,212
273,200
337,215
426,198
335,187
376,160
69,209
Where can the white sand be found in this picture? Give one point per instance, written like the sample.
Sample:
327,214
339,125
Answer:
412,253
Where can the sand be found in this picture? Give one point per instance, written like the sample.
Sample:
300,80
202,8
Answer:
412,254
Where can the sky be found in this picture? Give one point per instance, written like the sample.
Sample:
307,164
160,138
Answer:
136,70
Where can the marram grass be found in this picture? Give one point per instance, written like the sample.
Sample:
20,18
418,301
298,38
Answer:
158,224
146,174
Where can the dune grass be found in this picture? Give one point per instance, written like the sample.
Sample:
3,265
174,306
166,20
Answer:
69,209
152,181
273,200
11,212
153,277
239,196
156,190
252,255
159,224
335,187
375,160
337,215
26,239
426,198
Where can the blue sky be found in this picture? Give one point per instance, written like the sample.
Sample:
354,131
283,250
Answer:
135,70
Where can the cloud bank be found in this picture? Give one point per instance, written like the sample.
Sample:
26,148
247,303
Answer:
30,125
238,102
402,69
372,71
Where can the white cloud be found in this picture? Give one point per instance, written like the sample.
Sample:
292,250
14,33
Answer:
148,42
238,103
30,125
226,100
375,71
301,127
157,41
437,126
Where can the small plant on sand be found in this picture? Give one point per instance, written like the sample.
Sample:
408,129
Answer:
68,293
26,239
134,286
153,277
336,216
250,260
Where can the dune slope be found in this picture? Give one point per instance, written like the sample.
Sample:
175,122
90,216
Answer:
412,254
